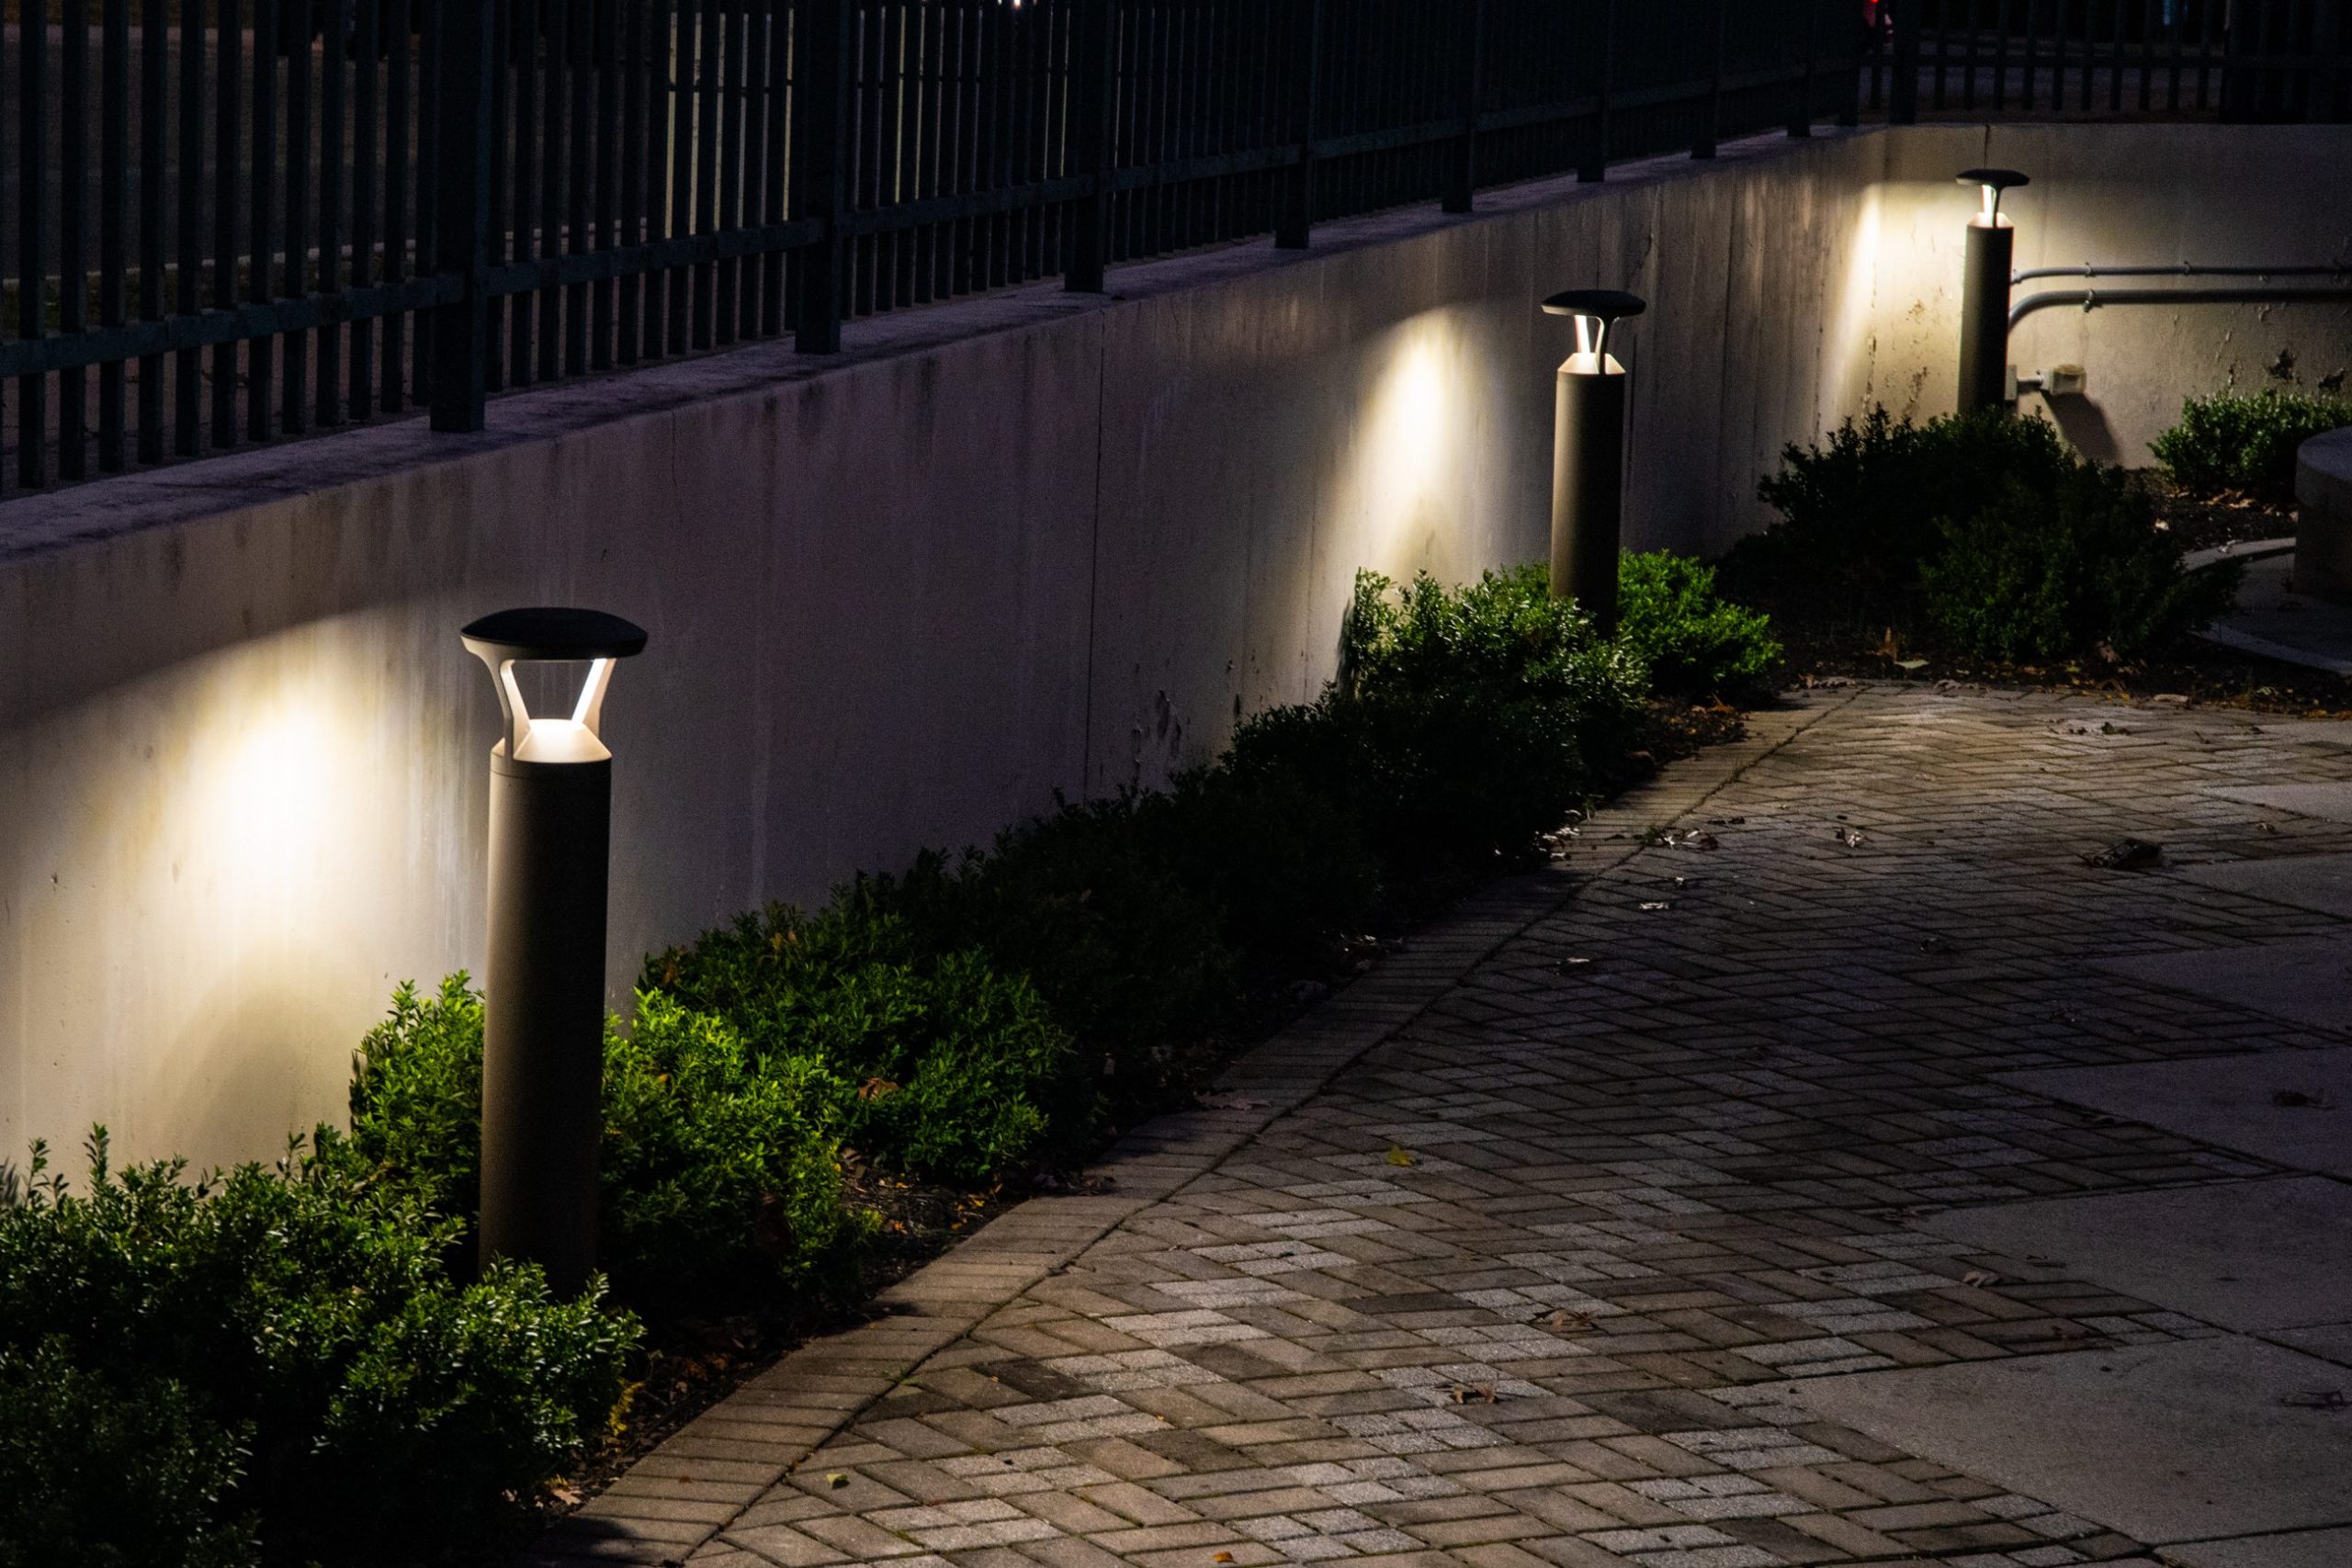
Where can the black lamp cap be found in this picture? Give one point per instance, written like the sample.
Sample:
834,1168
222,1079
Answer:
1999,179
1607,304
553,634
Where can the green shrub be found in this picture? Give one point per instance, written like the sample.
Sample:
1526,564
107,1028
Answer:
2084,572
112,1477
2229,441
303,1315
715,1174
415,1098
1466,721
1861,515
949,1070
718,1168
1282,863
1086,904
1692,641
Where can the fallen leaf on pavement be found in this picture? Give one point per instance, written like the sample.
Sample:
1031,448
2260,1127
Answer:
2318,1399
1979,1277
1400,1155
836,1480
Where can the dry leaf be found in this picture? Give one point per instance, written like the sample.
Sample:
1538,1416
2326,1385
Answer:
836,1479
1568,1322
1400,1155
1222,1557
875,1088
1656,903
1979,1277
2296,1099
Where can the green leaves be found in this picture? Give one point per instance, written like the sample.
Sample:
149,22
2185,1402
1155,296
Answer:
282,1346
1694,642
2079,573
2229,441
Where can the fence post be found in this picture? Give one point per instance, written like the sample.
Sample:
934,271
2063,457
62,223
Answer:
1594,165
461,40
1093,62
1800,112
1703,145
819,160
1298,181
1462,163
1903,93
2322,103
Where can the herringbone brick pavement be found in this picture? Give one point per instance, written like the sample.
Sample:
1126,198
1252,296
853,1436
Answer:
1625,1141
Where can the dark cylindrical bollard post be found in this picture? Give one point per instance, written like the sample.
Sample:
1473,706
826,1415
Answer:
1588,453
550,816
1984,295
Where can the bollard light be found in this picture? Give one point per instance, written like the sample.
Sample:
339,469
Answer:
543,1034
1985,294
1588,452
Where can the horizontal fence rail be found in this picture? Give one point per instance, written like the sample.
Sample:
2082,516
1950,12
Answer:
229,221
2244,60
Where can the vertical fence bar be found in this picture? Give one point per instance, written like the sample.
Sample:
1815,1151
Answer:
633,62
260,235
228,56
707,93
153,125
578,175
1304,92
678,288
397,137
1903,95
1702,143
522,217
819,159
72,202
1469,63
463,37
295,271
553,48
2322,103
607,65
114,218
1594,163
779,173
1800,112
366,108
735,33
1090,142
187,381
32,262
332,54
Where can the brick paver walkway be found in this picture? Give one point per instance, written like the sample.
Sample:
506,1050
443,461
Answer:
1611,1149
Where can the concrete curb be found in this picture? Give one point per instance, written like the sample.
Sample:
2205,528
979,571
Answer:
687,1490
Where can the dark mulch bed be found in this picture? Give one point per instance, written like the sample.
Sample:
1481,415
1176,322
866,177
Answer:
2232,517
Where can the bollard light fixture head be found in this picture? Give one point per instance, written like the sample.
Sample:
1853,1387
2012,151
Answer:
552,636
1596,311
1992,182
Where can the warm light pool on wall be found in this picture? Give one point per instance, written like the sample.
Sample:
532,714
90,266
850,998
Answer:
543,1032
1588,452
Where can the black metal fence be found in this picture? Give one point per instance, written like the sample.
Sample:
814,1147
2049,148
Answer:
234,220
2244,60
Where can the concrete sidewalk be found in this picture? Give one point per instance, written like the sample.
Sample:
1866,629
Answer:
1823,1164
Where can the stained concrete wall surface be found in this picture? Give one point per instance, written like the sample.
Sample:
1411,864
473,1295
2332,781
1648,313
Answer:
1016,545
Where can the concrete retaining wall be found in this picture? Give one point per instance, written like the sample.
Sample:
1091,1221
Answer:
1003,548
